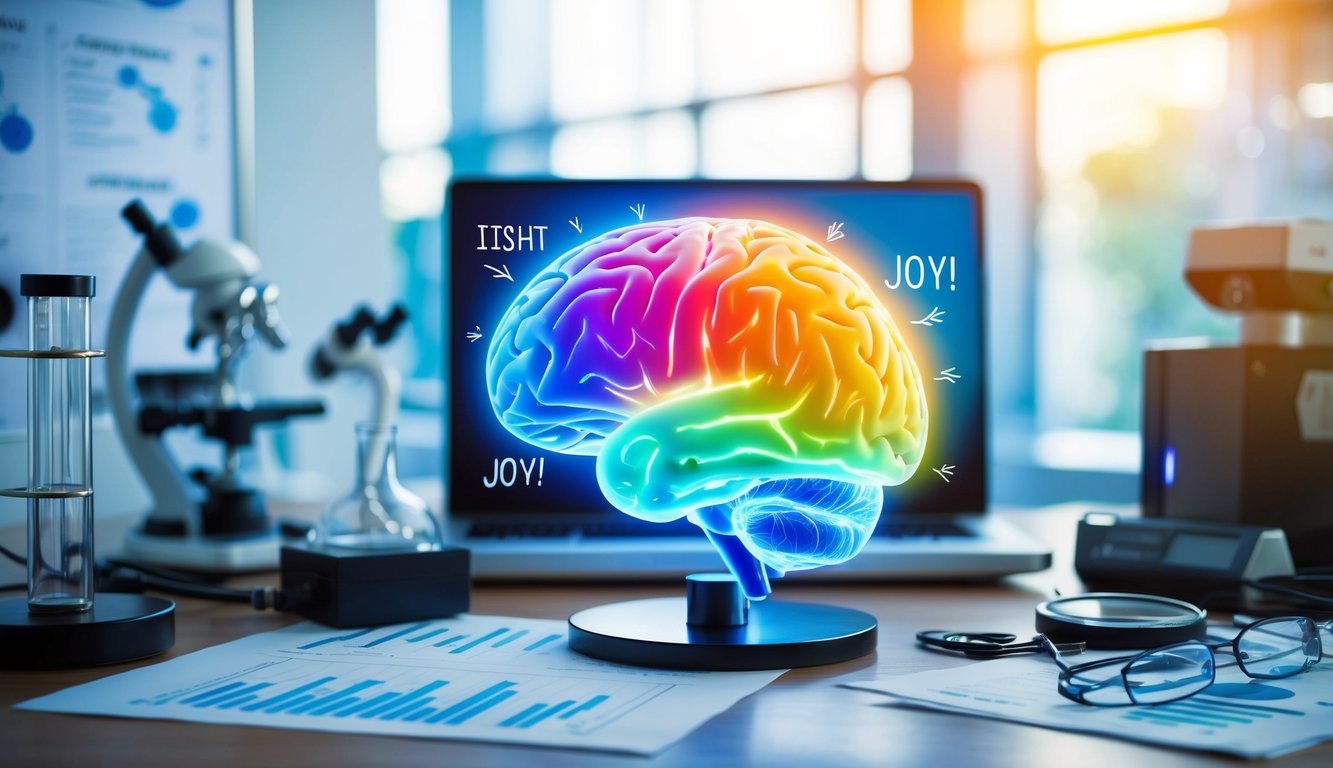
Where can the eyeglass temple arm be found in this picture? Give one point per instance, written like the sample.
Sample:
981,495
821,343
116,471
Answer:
1057,650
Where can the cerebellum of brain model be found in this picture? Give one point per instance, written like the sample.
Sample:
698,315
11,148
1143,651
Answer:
727,370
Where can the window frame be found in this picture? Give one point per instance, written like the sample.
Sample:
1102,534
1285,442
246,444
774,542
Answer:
937,76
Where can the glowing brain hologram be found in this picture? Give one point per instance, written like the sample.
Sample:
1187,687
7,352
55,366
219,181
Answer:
728,370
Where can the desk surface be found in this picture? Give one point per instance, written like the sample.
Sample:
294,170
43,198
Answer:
803,718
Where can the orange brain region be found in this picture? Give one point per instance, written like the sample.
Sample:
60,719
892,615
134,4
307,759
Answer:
727,369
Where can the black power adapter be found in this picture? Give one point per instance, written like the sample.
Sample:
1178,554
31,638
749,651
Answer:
357,589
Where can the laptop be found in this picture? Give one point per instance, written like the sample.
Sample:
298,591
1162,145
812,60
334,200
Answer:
645,377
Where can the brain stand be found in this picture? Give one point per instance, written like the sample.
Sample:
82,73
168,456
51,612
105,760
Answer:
726,370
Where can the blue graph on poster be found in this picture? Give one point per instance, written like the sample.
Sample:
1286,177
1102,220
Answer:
15,129
15,132
184,213
162,114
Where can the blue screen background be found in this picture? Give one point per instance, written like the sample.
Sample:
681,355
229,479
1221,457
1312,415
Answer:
881,222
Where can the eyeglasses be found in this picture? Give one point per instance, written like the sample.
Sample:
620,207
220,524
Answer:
1268,649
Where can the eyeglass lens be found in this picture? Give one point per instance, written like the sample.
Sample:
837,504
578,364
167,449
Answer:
1279,647
1155,677
1268,649
1170,673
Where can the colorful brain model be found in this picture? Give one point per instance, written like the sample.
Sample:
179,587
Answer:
726,369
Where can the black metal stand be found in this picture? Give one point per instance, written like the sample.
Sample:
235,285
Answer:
117,628
712,629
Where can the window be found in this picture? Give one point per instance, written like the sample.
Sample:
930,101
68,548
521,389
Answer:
1101,133
1153,117
672,88
626,88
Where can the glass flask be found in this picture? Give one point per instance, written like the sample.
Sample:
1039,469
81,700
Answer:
379,513
60,465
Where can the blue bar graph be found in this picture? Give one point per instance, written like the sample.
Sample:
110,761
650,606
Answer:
464,648
548,712
506,641
471,700
521,716
211,693
397,702
335,639
212,701
371,703
288,696
543,641
1208,712
585,706
1174,719
296,702
407,712
449,640
482,707
1261,710
417,702
344,693
396,635
428,635
238,702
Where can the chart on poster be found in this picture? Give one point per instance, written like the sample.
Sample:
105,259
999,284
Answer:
102,102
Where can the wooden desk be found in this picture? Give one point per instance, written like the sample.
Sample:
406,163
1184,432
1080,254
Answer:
802,719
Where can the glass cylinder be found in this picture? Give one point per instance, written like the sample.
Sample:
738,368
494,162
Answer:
60,465
379,513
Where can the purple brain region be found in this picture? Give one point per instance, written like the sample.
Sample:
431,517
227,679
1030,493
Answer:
728,370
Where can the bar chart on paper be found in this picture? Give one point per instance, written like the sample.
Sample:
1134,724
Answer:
473,677
1237,715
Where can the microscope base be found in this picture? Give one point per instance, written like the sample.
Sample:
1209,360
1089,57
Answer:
204,553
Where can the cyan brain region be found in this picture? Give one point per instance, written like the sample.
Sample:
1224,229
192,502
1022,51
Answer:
726,369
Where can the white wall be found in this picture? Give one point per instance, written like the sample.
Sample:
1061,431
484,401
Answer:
318,225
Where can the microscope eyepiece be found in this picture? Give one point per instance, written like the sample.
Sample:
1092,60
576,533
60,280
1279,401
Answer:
139,217
386,328
160,241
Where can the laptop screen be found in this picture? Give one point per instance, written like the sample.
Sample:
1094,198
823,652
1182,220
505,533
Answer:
643,350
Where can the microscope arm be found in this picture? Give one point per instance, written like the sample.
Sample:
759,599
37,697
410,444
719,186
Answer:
350,346
173,497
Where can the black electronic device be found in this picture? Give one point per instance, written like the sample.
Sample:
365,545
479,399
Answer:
1240,435
1243,432
364,588
1176,558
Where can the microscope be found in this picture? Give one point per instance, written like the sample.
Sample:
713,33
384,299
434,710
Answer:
209,520
1244,433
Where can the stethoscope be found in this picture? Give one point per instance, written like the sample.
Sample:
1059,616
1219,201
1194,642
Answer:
1109,620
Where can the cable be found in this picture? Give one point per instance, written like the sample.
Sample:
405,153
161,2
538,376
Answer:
1272,584
9,554
119,576
169,574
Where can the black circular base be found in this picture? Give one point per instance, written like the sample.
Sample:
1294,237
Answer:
653,633
117,628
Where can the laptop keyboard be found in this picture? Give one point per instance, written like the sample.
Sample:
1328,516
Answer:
683,528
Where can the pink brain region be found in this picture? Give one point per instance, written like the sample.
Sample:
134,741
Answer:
729,370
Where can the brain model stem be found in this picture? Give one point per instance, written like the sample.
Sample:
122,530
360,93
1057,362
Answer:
752,574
